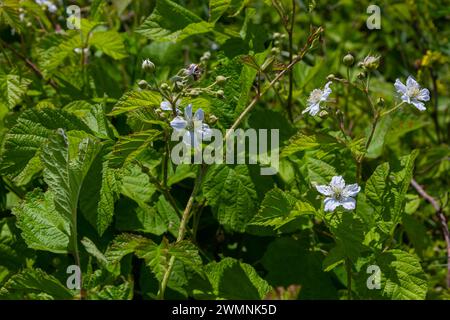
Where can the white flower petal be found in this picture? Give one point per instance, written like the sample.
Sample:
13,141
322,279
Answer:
165,105
325,190
401,88
188,111
331,204
419,105
348,203
199,115
178,123
314,109
411,82
326,91
306,109
424,95
337,182
351,190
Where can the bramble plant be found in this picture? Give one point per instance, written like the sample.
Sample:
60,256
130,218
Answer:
223,150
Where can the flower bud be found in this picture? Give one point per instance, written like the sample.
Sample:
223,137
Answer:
212,119
331,77
323,113
361,75
142,84
348,60
276,35
275,50
148,66
380,102
370,63
205,56
220,93
221,79
164,86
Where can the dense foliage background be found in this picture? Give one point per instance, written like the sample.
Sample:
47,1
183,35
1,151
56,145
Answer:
86,178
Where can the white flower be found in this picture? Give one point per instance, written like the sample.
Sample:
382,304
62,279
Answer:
339,194
167,106
316,97
192,127
412,93
193,70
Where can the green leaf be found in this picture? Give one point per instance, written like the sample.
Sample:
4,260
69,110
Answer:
110,42
376,146
12,88
133,100
30,133
130,147
231,193
43,228
301,142
278,209
232,279
34,284
158,27
402,277
97,199
64,171
386,189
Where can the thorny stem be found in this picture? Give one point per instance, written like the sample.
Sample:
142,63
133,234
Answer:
442,219
203,168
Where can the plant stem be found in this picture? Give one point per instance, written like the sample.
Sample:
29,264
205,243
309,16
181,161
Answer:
442,219
182,230
290,32
392,110
372,132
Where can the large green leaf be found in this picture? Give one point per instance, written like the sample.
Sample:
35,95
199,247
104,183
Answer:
182,23
110,42
43,228
12,88
133,100
402,277
30,133
232,279
34,284
231,193
278,209
386,189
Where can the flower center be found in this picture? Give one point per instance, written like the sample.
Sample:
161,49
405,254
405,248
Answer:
337,193
315,96
412,92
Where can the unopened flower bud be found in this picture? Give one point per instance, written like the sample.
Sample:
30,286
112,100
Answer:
348,60
148,66
194,92
331,77
206,56
323,113
221,79
220,93
164,86
361,75
276,35
212,119
275,50
143,84
380,102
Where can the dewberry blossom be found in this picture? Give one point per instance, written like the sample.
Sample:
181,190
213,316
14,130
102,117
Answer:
316,97
412,93
191,127
339,194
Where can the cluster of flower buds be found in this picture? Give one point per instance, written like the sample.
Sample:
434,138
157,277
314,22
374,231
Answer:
370,63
